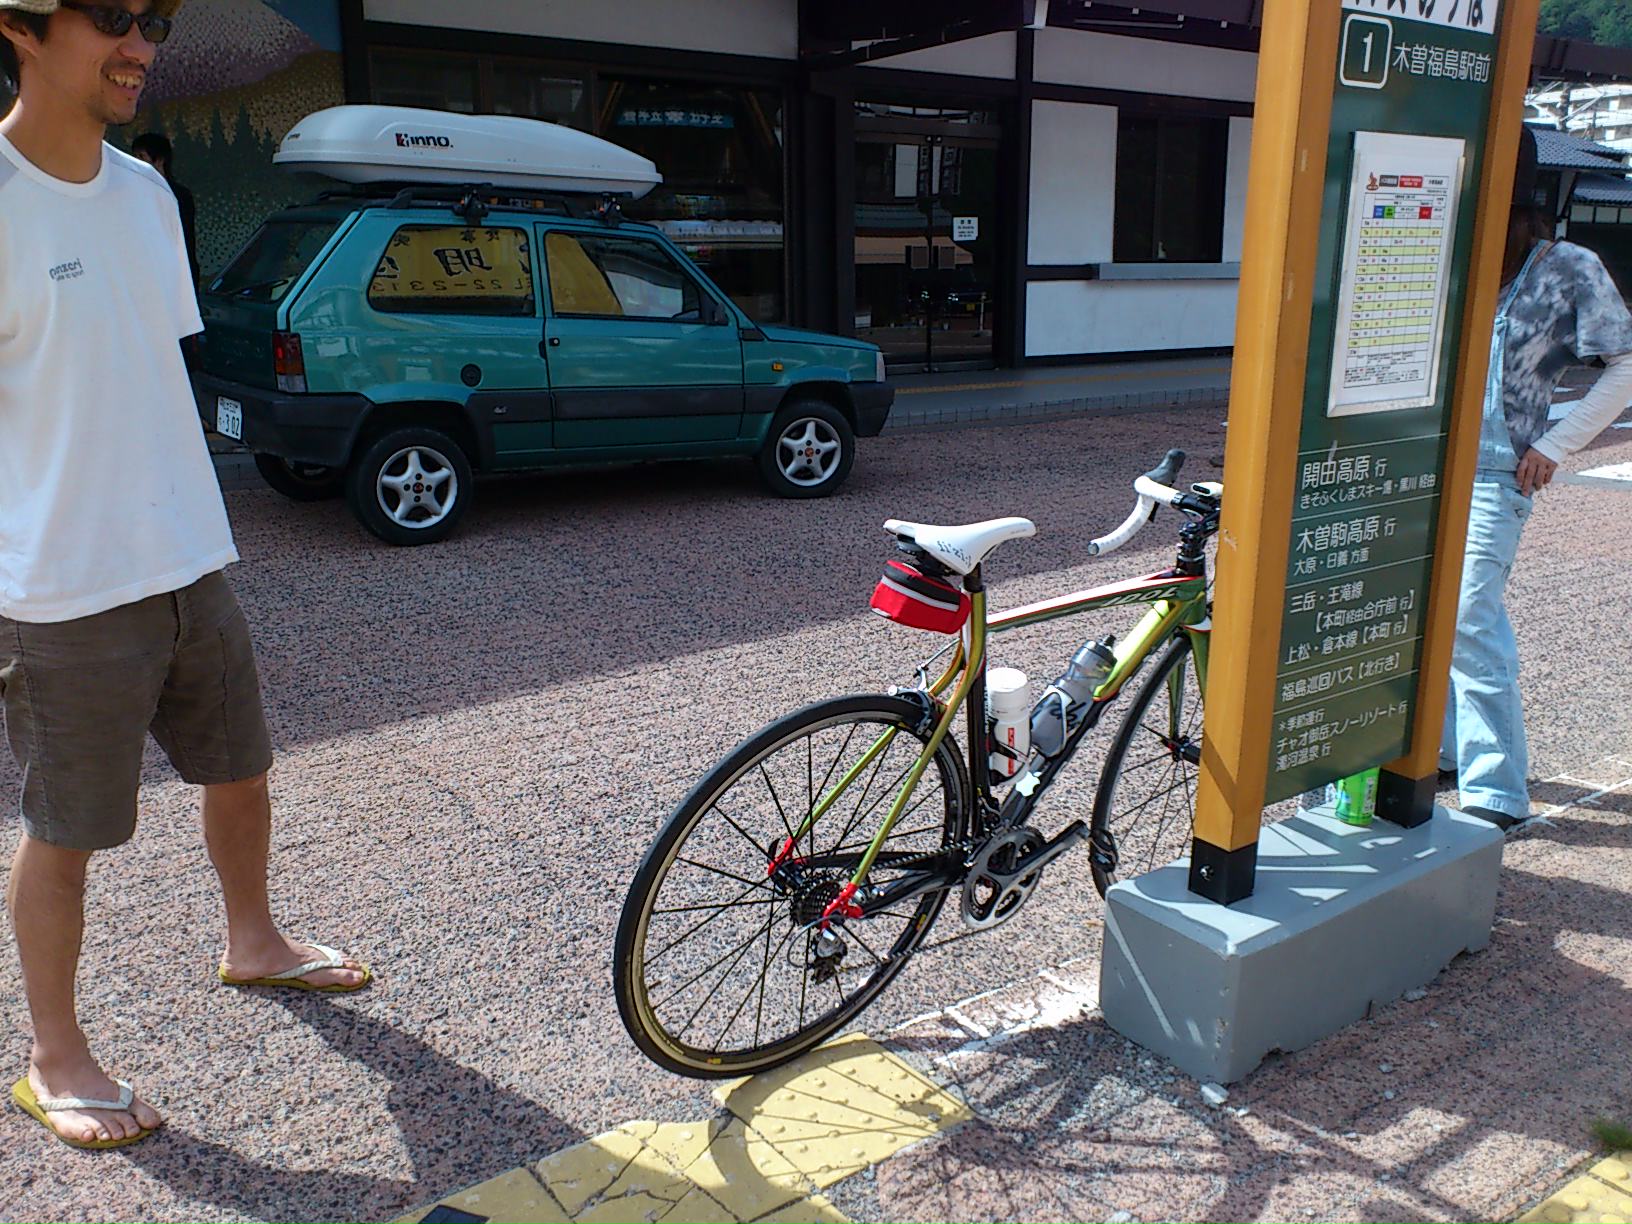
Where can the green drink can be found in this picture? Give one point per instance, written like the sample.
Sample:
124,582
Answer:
1354,799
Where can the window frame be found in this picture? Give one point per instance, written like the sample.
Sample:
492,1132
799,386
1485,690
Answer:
1163,123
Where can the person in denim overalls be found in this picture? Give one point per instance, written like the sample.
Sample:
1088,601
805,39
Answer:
1558,308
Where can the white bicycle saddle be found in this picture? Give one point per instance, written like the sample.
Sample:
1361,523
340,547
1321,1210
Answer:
961,548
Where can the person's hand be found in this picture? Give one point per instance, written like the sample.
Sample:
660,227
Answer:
1535,472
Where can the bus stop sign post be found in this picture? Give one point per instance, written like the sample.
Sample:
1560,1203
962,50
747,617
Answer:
1372,261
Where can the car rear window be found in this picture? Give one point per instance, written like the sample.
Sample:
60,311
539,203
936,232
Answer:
452,269
269,266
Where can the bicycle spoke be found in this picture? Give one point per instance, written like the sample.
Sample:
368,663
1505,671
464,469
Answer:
717,871
679,939
786,824
709,968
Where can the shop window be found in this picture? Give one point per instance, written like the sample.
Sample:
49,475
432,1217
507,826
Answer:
720,150
436,82
448,269
618,278
521,89
1170,189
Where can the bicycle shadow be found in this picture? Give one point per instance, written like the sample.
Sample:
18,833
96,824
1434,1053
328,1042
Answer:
1466,1103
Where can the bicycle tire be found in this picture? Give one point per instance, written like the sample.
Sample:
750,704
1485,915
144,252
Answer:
633,962
1171,784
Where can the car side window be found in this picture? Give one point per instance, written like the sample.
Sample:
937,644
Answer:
606,276
453,269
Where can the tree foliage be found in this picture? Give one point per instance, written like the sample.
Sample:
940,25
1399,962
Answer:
1606,22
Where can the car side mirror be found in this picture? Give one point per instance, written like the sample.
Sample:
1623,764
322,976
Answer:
713,313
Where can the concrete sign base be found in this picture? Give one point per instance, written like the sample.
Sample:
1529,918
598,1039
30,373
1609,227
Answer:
1343,918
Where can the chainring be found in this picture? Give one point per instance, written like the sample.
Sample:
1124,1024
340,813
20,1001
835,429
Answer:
994,891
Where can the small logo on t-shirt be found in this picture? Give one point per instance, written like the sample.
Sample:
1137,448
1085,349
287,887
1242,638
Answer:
71,270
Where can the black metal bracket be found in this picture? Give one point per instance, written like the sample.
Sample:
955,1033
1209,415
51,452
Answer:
1224,876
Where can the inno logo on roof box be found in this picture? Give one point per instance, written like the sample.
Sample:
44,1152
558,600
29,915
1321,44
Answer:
405,141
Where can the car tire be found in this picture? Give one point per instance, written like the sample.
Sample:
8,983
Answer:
411,485
809,450
301,482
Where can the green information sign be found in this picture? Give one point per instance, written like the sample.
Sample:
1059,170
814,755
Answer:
1412,93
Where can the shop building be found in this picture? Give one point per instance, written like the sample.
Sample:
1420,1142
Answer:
968,183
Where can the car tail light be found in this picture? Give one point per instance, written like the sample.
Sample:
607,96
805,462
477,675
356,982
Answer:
288,362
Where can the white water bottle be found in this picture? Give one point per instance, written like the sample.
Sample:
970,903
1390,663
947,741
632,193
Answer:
1008,711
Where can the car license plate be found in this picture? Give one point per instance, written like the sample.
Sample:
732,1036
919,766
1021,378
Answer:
229,418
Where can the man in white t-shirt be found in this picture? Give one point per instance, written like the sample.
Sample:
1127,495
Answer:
115,618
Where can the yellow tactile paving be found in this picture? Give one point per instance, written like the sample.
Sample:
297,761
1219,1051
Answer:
516,1197
1586,1200
617,1170
842,1108
730,1163
1616,1170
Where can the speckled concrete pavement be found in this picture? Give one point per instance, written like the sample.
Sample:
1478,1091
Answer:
477,740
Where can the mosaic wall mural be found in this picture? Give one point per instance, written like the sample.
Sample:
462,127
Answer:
233,78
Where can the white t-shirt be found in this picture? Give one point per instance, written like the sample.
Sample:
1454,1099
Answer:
107,492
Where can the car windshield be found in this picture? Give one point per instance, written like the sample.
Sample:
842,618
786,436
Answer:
274,259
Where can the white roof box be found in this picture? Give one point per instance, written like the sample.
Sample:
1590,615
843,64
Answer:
371,144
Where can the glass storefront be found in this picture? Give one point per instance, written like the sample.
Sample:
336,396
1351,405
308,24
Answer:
926,235
720,149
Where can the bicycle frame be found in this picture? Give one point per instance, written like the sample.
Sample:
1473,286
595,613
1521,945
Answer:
1174,602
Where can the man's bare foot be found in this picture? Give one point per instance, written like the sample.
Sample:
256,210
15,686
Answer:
84,1079
250,964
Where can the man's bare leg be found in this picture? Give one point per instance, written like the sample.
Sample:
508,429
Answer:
46,898
238,832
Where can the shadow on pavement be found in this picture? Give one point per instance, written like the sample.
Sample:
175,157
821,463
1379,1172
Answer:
457,1125
558,577
1468,1103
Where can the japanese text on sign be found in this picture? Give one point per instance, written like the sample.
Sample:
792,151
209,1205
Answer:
1478,16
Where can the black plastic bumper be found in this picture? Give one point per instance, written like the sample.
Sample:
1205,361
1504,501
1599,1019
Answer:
302,428
872,401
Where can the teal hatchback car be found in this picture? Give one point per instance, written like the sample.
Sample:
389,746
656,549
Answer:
393,341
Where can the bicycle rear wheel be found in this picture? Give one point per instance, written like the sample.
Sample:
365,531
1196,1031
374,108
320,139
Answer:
715,965
1145,807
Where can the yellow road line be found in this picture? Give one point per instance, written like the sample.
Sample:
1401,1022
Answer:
1060,378
789,1133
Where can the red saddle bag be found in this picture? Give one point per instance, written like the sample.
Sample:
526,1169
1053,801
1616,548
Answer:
907,596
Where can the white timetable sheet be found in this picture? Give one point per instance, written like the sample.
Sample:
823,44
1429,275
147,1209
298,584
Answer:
1396,259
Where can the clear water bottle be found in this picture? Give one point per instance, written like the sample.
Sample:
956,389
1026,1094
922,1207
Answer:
1062,705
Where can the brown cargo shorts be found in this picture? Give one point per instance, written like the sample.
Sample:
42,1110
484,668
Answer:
80,697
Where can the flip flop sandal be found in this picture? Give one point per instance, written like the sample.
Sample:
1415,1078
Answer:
290,979
22,1092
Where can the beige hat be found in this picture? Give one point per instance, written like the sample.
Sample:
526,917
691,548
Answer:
164,8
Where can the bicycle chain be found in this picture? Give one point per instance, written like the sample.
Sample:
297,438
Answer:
968,846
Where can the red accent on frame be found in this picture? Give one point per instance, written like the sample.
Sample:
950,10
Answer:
781,857
842,905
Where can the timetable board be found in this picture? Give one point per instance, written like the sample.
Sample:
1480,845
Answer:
1396,261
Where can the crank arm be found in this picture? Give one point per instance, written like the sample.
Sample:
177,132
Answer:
1065,839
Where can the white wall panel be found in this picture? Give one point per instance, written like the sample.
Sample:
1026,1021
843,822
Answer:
1073,183
1143,65
1235,187
1128,316
991,55
735,27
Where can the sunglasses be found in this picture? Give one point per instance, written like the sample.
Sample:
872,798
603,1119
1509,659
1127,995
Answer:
115,22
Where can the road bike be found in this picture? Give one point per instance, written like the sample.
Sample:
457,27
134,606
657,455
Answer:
803,871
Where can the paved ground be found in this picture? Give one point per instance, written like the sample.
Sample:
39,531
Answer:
478,740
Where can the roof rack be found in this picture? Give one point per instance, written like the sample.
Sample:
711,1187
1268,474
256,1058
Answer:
473,201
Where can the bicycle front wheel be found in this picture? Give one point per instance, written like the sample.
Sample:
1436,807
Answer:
717,967
1145,808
